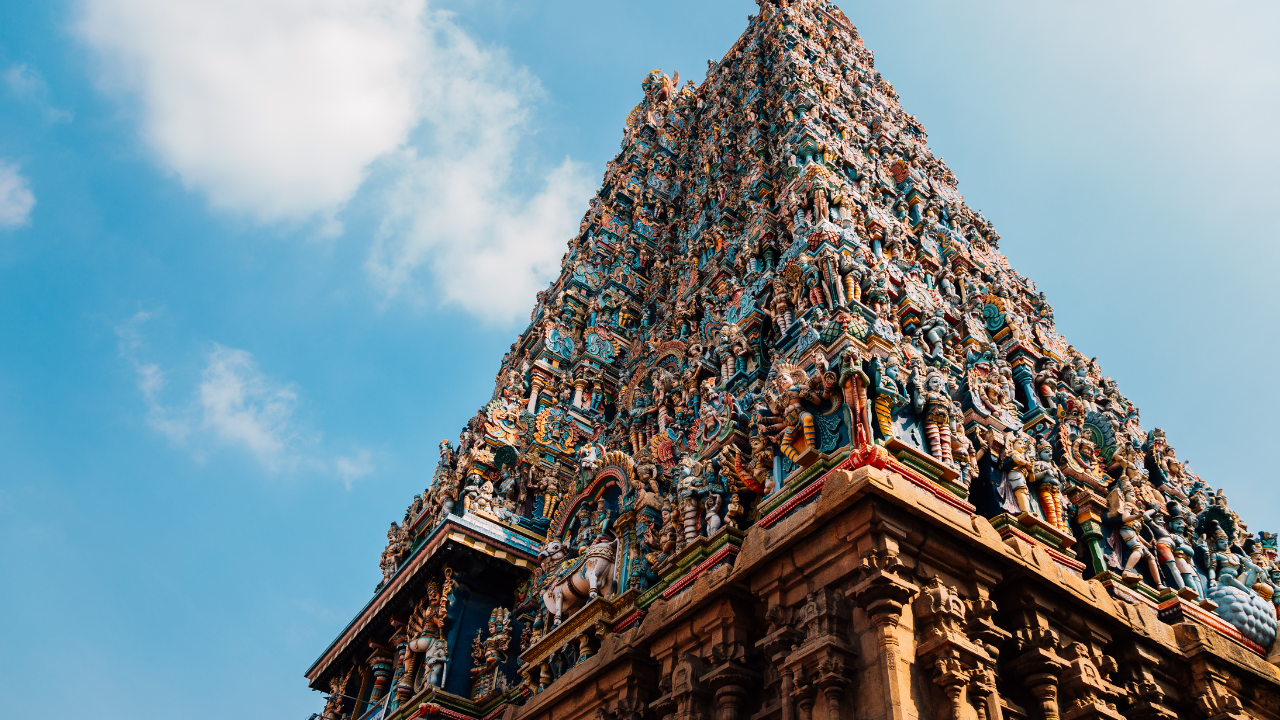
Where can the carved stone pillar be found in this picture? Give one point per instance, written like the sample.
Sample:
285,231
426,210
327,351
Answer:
833,688
1086,692
1211,683
1089,511
1044,688
1039,667
981,628
804,696
1221,706
957,641
537,383
1146,698
788,687
381,665
631,697
1023,376
402,650
818,667
986,700
690,694
780,639
882,592
729,683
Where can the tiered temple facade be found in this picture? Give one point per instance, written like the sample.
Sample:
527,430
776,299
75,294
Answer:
788,439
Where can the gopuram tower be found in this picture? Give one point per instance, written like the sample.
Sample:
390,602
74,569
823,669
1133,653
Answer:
788,439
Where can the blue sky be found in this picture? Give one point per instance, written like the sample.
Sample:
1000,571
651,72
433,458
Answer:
258,258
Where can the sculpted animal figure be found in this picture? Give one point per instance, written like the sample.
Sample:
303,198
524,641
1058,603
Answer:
567,589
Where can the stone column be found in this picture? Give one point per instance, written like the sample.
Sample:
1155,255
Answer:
833,690
381,664
402,649
1146,699
1022,375
1090,509
788,686
804,697
537,383
1039,668
1044,688
687,689
1211,686
729,683
987,698
1085,687
882,593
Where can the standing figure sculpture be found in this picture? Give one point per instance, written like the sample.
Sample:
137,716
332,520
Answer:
936,332
1123,510
1048,479
1018,454
933,401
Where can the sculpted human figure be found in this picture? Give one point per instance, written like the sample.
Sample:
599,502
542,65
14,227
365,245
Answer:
739,348
878,295
735,512
1005,378
932,399
936,332
1086,454
1225,566
1183,551
790,386
1122,509
963,452
647,471
483,501
471,492
1018,452
1128,459
712,521
1048,479
602,522
689,493
434,660
852,273
888,394
1046,383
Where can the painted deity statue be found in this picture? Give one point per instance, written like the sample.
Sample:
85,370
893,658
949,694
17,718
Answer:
1018,453
1048,481
932,399
1122,508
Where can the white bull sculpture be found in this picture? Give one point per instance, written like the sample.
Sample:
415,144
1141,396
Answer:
589,577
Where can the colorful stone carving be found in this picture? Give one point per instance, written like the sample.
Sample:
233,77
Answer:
778,278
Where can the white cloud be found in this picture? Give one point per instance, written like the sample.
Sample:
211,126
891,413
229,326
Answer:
354,468
242,407
271,107
281,109
235,405
16,198
27,84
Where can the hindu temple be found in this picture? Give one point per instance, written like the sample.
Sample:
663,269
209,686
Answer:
789,439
